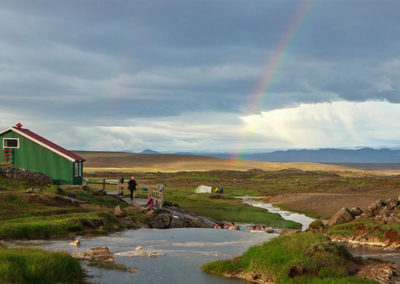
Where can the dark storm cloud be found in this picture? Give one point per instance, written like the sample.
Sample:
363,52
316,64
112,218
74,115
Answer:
107,61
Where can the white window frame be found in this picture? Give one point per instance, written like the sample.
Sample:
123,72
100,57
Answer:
4,143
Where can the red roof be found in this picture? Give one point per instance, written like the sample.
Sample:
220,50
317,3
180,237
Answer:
50,144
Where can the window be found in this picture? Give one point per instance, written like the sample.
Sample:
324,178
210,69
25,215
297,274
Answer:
10,143
78,169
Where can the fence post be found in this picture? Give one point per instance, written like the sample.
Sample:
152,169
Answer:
104,184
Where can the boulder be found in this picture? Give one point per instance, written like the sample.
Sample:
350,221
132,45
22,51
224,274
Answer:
342,216
95,254
392,203
375,208
188,219
356,211
161,221
151,212
75,243
119,212
177,223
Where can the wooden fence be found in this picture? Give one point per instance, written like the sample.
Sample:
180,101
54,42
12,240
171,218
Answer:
152,190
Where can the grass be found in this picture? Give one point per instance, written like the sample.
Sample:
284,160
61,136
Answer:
26,265
57,226
222,207
365,227
297,258
216,206
42,215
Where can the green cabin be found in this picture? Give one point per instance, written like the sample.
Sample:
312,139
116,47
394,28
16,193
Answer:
26,150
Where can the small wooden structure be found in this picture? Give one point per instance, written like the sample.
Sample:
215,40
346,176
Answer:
24,149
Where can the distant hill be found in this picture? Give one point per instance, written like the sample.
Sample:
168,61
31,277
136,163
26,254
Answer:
149,151
129,162
335,156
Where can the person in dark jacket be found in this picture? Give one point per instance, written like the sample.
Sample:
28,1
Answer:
132,186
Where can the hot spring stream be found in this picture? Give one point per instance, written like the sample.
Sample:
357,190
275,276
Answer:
185,251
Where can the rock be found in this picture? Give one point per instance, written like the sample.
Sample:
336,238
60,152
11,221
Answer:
139,247
316,226
185,218
374,208
356,211
119,212
270,230
342,216
150,212
99,252
132,270
95,254
75,243
25,176
161,221
392,203
91,223
383,214
380,271
177,223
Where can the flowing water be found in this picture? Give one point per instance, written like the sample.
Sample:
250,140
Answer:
185,251
287,215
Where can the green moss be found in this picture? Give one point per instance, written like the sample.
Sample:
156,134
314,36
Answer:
297,258
24,265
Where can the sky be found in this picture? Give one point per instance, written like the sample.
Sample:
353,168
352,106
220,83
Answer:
200,75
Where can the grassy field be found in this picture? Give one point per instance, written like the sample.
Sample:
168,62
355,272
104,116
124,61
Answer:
43,215
129,162
317,193
296,258
25,265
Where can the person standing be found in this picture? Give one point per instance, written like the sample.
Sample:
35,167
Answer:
132,186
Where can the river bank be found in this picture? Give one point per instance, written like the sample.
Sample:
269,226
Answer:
182,251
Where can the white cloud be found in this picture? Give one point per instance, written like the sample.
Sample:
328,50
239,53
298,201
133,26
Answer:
333,124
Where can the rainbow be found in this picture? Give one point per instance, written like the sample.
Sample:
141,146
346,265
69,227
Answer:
275,61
